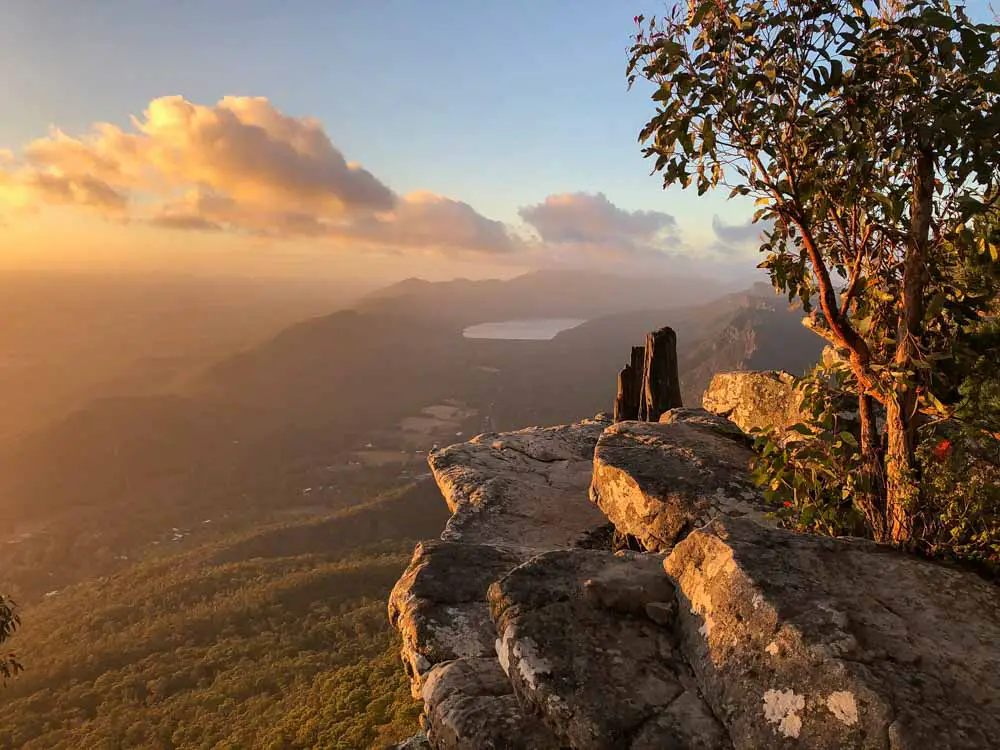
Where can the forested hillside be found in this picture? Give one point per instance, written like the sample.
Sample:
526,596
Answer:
272,639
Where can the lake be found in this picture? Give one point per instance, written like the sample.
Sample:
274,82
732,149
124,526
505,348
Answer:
538,329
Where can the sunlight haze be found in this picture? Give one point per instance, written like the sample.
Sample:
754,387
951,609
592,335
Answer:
363,387
376,139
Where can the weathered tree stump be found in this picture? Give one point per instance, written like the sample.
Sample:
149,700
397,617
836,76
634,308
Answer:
661,386
649,385
630,386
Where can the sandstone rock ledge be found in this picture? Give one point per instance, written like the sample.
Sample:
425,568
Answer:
812,642
514,489
726,633
512,495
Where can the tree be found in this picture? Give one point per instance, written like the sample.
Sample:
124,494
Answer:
866,134
9,621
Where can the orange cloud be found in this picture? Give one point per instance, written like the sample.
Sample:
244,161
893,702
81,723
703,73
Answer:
425,219
592,218
239,166
26,188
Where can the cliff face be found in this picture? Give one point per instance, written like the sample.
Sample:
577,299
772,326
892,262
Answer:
620,585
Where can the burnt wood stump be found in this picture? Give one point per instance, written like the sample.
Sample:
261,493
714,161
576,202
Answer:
649,385
630,386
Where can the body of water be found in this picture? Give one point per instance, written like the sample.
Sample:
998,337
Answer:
539,329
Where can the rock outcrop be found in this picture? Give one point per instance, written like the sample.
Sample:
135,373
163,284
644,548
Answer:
812,642
523,628
442,616
512,496
510,489
656,482
754,399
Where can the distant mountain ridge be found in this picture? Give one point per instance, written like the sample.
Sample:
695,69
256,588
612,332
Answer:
549,293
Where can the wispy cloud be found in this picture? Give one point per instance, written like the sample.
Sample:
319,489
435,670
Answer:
735,240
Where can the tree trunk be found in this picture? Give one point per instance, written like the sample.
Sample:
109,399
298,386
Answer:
661,388
902,489
902,483
630,387
870,495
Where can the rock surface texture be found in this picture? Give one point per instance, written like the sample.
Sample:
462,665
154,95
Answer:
656,482
523,628
439,605
754,399
512,496
585,641
510,489
807,641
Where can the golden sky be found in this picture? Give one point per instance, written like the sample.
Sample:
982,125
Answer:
239,187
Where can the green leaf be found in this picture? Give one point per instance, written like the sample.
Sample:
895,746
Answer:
935,305
701,12
848,438
836,73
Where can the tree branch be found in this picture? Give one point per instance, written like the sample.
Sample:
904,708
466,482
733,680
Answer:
853,284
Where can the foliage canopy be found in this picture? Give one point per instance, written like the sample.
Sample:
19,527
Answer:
865,134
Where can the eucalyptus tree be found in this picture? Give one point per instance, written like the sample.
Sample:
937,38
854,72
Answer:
866,133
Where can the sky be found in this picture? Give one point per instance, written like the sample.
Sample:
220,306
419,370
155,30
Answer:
336,137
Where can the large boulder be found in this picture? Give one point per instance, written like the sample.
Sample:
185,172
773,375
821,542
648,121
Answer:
753,399
520,490
586,639
656,482
813,642
439,604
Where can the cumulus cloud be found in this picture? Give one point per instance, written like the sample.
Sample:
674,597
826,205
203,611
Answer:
426,219
27,188
589,230
239,166
737,239
591,218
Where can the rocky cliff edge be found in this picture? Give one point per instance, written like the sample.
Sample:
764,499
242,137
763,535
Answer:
604,586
